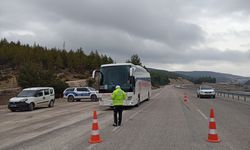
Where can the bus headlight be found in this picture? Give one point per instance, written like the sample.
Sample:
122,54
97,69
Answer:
129,98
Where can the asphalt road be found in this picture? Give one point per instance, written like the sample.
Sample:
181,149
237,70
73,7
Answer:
164,122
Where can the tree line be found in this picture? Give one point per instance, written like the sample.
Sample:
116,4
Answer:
38,66
161,77
15,54
158,77
204,80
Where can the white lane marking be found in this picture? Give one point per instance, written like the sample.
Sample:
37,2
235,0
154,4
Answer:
91,146
203,115
132,116
157,94
116,128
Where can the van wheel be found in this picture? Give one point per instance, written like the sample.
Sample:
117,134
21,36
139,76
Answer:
70,99
31,106
51,103
93,98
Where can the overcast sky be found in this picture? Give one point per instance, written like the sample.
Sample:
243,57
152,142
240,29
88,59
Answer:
174,35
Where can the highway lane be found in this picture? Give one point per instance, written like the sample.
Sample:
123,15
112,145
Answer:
51,128
233,119
171,123
164,122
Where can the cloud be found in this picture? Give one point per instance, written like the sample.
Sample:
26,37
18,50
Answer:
162,32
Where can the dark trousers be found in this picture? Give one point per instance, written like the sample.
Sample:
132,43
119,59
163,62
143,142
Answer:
118,109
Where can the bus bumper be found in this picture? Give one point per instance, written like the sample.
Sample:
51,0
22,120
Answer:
109,103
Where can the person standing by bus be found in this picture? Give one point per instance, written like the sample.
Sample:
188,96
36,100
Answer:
118,97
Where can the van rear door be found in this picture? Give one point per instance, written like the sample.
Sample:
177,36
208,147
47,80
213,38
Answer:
39,97
47,96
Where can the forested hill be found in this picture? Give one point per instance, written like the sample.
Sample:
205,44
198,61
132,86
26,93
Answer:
161,77
34,66
220,77
14,55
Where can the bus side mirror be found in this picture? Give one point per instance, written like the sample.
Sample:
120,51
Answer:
93,74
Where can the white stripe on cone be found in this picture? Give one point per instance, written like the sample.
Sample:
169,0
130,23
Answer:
212,120
212,131
95,132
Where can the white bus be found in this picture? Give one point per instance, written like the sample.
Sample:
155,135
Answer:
133,79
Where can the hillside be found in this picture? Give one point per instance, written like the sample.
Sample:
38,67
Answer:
24,65
247,83
169,74
220,77
14,55
161,77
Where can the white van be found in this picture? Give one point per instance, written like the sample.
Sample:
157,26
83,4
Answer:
30,98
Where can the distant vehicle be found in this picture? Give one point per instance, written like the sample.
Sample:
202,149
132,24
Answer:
133,79
78,93
30,98
205,91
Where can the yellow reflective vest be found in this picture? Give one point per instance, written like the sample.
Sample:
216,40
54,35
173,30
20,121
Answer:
118,97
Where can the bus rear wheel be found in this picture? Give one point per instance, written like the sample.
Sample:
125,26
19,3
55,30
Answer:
138,102
148,97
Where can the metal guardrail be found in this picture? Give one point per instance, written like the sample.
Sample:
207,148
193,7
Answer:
235,95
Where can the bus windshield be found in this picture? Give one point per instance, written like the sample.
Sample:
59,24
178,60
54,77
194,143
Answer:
115,75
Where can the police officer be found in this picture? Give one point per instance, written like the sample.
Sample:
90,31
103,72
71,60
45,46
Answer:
118,97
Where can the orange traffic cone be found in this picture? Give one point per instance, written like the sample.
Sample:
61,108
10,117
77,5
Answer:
185,98
212,135
95,136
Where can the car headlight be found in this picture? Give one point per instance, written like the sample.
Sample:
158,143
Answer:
23,100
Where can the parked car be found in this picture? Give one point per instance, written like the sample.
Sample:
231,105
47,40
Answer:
78,93
206,91
29,98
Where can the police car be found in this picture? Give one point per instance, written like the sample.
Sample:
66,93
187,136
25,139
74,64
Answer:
78,93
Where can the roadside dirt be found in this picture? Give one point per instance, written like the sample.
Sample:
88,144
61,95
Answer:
19,125
77,83
5,95
179,81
